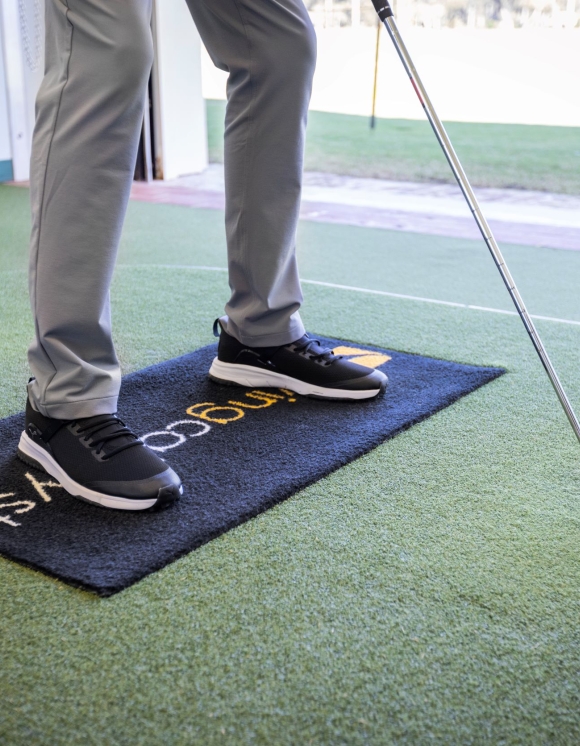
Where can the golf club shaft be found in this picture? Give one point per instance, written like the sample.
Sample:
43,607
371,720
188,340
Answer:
376,72
386,16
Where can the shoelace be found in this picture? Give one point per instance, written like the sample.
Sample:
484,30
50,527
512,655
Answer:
326,354
91,429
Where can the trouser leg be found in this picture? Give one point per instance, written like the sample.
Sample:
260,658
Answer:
269,49
89,111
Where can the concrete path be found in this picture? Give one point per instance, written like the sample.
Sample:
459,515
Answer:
516,216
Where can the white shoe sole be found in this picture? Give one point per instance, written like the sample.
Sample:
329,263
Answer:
247,375
29,450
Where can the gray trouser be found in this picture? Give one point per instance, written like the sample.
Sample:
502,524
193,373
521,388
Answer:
89,114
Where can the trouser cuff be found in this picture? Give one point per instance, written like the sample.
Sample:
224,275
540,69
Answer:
294,332
77,409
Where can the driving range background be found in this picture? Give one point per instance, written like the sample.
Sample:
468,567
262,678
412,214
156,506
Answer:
426,593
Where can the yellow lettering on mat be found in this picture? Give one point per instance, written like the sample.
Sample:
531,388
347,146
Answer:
204,414
370,361
262,396
234,410
362,357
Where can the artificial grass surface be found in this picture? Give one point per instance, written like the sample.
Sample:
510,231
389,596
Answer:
427,593
493,155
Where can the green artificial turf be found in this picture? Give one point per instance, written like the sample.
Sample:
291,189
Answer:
493,155
426,593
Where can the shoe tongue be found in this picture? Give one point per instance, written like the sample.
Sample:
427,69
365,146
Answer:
302,341
315,348
95,433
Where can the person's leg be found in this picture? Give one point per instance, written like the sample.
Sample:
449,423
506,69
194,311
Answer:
89,112
269,50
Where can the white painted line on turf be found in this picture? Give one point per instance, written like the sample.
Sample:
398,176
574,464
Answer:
384,292
493,310
368,291
419,299
552,318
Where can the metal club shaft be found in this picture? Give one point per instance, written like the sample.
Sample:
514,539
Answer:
386,16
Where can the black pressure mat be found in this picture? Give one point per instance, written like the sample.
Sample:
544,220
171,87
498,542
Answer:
239,451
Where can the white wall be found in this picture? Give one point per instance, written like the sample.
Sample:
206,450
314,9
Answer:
22,31
180,115
180,122
5,148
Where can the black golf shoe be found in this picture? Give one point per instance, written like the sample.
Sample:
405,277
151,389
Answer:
304,366
99,460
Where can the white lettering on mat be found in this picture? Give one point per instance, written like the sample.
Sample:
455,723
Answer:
27,505
211,412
